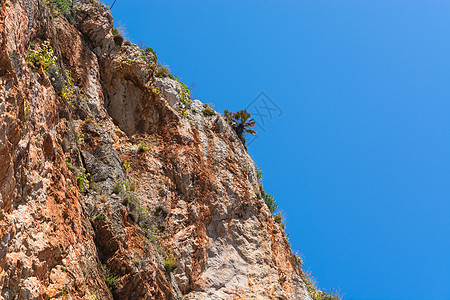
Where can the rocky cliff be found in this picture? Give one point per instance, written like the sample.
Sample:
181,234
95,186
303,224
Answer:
113,183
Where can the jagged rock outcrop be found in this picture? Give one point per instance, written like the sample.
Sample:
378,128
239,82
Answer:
109,175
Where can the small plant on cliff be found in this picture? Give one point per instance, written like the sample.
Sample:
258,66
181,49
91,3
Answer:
185,95
182,112
278,217
268,198
79,137
83,180
64,7
270,201
68,90
164,71
241,122
117,35
170,262
68,164
64,291
27,112
110,277
127,166
41,56
314,292
148,49
208,111
143,147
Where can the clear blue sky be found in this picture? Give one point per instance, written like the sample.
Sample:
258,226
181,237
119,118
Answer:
360,159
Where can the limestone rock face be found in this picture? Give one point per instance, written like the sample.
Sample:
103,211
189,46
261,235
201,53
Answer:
113,188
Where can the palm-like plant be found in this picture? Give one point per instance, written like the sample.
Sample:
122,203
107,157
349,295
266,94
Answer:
241,122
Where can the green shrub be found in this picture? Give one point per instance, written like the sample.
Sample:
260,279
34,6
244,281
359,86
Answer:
118,187
161,227
131,200
129,185
164,71
68,164
208,111
278,218
121,187
64,7
143,147
270,201
127,166
82,180
182,112
79,137
118,40
268,198
170,262
148,49
68,90
185,98
41,56
117,33
185,95
160,211
110,277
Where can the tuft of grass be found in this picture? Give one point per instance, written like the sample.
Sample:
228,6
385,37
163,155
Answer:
118,187
148,49
170,262
68,164
278,218
143,147
314,292
110,277
115,32
99,217
127,166
208,111
164,71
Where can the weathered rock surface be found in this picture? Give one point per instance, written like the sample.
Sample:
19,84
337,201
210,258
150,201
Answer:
172,208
